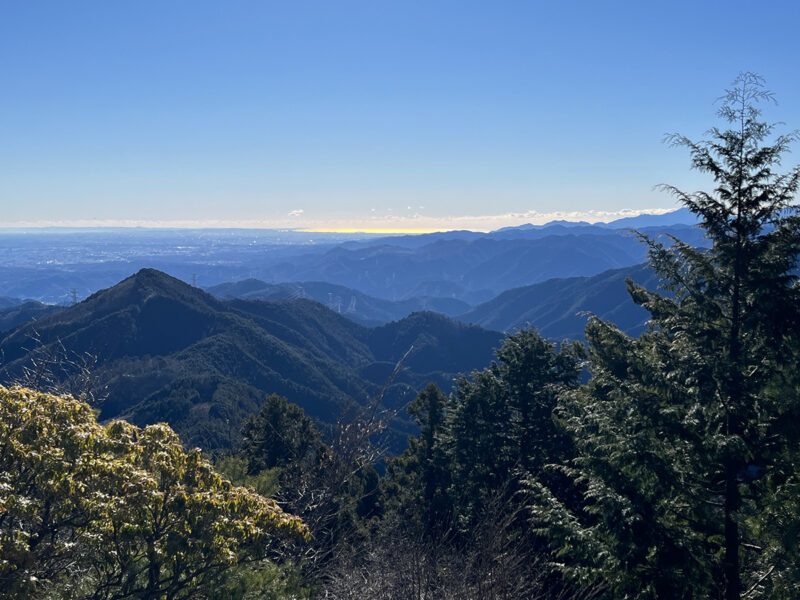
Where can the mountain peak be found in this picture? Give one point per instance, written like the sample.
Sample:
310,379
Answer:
149,312
154,278
146,284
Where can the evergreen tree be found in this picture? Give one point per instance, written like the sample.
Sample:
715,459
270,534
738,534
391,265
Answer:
416,486
280,435
501,421
429,409
679,439
532,375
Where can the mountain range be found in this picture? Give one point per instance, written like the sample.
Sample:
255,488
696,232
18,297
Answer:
559,308
157,349
349,302
475,269
472,267
153,348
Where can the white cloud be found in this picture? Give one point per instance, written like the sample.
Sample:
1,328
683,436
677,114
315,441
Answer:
296,219
489,222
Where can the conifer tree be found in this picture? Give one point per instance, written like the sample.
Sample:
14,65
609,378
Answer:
736,307
532,374
681,447
430,409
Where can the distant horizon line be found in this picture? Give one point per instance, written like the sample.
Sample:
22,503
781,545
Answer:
416,225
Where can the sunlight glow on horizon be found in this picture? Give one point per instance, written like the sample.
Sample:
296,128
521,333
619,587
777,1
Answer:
417,224
357,116
372,231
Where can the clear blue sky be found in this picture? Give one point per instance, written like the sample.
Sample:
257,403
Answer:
366,114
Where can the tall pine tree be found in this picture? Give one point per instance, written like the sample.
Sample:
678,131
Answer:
682,447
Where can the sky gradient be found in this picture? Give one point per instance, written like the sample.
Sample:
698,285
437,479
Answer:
368,115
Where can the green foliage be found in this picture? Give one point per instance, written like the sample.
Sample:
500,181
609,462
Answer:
115,511
280,436
334,488
263,580
472,445
684,460
164,351
532,375
418,481
236,469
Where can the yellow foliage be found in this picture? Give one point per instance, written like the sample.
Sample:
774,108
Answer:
116,505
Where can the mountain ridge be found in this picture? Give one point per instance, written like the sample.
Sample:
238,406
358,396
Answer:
559,307
166,349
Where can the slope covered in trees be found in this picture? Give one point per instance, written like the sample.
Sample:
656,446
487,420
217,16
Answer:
560,308
672,474
18,313
153,348
683,454
349,302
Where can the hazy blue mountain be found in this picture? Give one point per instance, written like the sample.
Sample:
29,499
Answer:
351,303
558,227
8,302
160,349
549,224
682,216
557,307
472,267
477,270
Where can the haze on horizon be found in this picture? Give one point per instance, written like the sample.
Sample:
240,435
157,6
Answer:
372,116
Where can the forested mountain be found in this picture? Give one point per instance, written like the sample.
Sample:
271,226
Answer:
478,268
351,303
673,473
560,308
52,266
156,349
24,311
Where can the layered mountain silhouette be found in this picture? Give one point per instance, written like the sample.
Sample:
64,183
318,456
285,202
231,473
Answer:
159,349
8,302
559,308
22,311
351,303
470,267
475,268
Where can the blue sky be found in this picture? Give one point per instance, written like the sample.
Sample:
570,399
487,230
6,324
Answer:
377,114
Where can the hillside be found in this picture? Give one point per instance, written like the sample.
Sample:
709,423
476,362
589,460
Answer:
349,302
159,349
474,269
20,312
8,302
559,308
470,267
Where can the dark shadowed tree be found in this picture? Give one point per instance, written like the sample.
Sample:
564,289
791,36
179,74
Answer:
681,437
